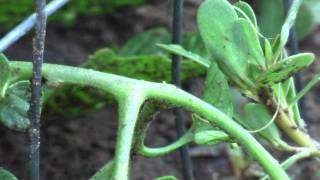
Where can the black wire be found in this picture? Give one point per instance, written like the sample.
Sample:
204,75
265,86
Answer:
294,49
35,100
180,124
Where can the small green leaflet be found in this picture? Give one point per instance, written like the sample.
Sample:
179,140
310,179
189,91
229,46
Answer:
290,94
105,172
14,106
232,41
267,52
210,137
6,175
216,33
246,8
256,117
285,68
4,75
216,93
247,41
289,22
166,178
307,88
178,50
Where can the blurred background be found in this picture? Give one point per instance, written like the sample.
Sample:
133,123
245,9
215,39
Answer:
76,144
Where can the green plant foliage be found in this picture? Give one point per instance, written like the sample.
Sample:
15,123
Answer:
166,178
211,137
179,50
257,116
12,12
262,75
14,106
4,74
231,40
217,91
247,11
285,68
218,94
6,175
105,172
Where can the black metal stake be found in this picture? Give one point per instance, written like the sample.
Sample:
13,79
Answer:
294,49
180,124
35,100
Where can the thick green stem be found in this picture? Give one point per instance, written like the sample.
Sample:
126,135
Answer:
129,107
178,97
121,87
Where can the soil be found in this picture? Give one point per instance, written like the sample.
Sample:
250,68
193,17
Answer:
75,149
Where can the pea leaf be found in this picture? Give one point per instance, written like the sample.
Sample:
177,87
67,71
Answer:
6,175
231,40
178,50
166,178
4,75
284,69
246,8
256,117
247,41
216,93
105,172
290,20
216,33
14,106
267,52
210,137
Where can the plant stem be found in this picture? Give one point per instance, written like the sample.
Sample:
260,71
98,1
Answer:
121,87
286,123
156,152
129,107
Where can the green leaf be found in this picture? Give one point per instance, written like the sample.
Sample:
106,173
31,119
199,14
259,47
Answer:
246,8
4,75
246,40
289,22
210,137
178,50
6,175
294,99
145,42
14,107
284,69
268,52
166,178
231,41
106,172
193,41
216,93
257,116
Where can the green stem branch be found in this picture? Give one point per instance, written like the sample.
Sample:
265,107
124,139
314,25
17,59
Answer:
129,107
121,87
